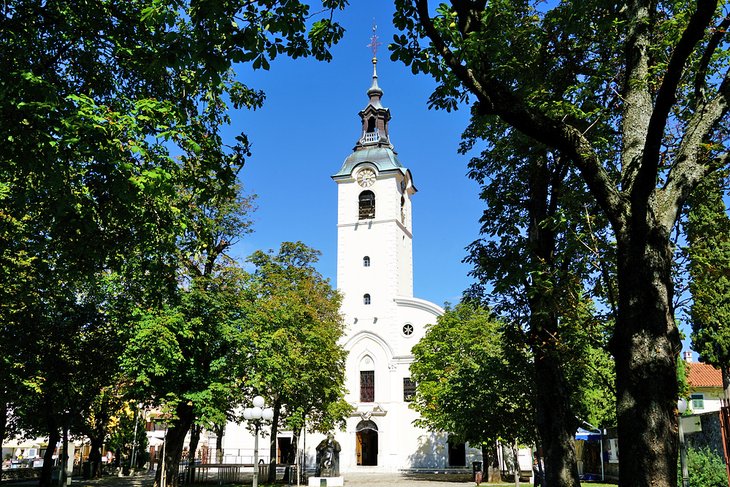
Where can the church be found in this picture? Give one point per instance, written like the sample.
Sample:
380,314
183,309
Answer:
382,317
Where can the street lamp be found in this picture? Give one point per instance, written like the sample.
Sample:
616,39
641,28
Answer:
256,414
133,457
682,407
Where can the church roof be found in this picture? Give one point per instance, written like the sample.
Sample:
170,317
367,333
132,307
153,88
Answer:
384,159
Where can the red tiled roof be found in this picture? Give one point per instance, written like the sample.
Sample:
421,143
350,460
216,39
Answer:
703,375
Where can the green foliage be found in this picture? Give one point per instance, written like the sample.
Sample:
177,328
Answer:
543,257
708,232
115,180
471,382
188,352
294,332
633,97
122,433
682,379
706,468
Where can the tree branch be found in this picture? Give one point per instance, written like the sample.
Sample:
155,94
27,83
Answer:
689,166
666,97
636,97
462,72
496,99
712,46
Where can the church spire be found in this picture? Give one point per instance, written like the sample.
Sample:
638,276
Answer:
375,92
374,117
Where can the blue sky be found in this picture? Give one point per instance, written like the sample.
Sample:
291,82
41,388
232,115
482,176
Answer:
309,125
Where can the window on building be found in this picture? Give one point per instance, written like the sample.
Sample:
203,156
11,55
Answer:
367,386
371,124
407,329
409,389
366,299
698,401
367,205
366,261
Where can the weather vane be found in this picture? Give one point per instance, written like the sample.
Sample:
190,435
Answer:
374,41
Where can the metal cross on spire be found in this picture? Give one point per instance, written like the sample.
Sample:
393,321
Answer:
374,41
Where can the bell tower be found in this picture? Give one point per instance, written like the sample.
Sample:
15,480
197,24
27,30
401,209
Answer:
374,247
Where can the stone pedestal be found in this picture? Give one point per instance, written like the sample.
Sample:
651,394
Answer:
326,481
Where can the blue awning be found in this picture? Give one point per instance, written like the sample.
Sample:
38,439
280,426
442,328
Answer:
586,435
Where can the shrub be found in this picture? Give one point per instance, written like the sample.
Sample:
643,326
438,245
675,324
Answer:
706,468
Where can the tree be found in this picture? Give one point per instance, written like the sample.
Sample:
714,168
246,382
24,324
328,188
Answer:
539,253
472,382
184,359
295,329
708,235
127,435
190,355
63,362
106,409
650,75
106,112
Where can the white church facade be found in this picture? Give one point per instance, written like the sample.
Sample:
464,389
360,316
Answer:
383,319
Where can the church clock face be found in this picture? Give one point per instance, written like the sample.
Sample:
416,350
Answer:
366,178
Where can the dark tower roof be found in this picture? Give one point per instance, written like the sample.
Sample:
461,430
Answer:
374,143
374,117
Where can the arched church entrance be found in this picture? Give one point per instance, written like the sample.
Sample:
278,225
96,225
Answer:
366,443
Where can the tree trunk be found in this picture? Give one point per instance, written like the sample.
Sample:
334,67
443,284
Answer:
272,443
174,441
485,462
556,423
47,470
489,463
516,466
97,443
296,462
63,472
646,344
195,430
194,440
219,430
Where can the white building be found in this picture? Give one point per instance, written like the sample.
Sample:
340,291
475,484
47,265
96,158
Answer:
705,384
383,319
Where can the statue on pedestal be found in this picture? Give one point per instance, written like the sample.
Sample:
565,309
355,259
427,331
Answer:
328,457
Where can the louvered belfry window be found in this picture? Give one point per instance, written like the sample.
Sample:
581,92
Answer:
367,386
366,205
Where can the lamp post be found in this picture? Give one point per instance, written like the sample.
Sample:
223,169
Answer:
682,407
133,457
256,414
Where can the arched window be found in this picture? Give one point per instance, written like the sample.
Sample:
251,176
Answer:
367,379
366,299
367,205
366,261
371,124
